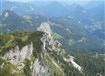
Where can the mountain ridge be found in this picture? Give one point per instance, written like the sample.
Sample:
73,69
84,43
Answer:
69,25
40,56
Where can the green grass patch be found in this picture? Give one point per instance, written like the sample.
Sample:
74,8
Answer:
27,17
57,36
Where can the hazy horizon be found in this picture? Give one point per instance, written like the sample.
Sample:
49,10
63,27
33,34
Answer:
81,2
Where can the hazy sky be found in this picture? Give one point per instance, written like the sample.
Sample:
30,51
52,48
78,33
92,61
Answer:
66,1
49,0
54,0
81,2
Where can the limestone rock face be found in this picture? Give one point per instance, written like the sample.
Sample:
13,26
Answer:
47,62
47,39
54,45
17,56
39,69
45,27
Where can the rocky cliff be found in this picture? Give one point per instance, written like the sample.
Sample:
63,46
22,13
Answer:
42,56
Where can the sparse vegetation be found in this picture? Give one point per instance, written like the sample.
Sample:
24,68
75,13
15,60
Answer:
57,36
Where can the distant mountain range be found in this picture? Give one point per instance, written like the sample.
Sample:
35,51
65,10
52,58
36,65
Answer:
93,11
52,39
68,31
75,20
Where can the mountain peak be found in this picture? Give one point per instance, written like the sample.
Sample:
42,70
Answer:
55,2
76,5
8,13
5,13
45,27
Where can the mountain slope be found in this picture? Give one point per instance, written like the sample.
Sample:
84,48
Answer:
18,7
47,10
39,54
75,37
11,21
69,31
55,9
32,54
96,11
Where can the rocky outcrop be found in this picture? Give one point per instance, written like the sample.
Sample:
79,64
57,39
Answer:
17,56
40,70
54,45
48,41
48,63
